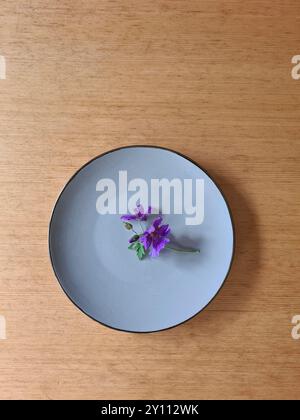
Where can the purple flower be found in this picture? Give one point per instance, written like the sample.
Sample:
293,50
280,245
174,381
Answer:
139,214
155,235
154,239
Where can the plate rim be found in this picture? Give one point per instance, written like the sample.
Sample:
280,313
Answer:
198,166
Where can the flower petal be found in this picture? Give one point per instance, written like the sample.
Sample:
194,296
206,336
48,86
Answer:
127,217
139,210
164,230
157,222
150,230
157,245
146,240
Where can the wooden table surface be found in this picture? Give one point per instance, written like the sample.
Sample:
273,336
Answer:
211,79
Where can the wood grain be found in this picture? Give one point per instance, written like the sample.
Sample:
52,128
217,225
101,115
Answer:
211,79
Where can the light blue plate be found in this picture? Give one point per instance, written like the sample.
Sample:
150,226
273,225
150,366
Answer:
105,280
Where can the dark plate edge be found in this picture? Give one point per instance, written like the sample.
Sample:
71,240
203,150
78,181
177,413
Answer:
229,211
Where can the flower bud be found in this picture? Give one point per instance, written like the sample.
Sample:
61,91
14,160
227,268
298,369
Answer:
127,225
134,238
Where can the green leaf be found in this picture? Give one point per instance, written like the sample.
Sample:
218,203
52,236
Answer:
140,251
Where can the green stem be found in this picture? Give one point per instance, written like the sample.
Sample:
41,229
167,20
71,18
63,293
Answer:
141,226
191,250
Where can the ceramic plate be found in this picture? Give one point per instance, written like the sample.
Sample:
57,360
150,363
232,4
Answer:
89,251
